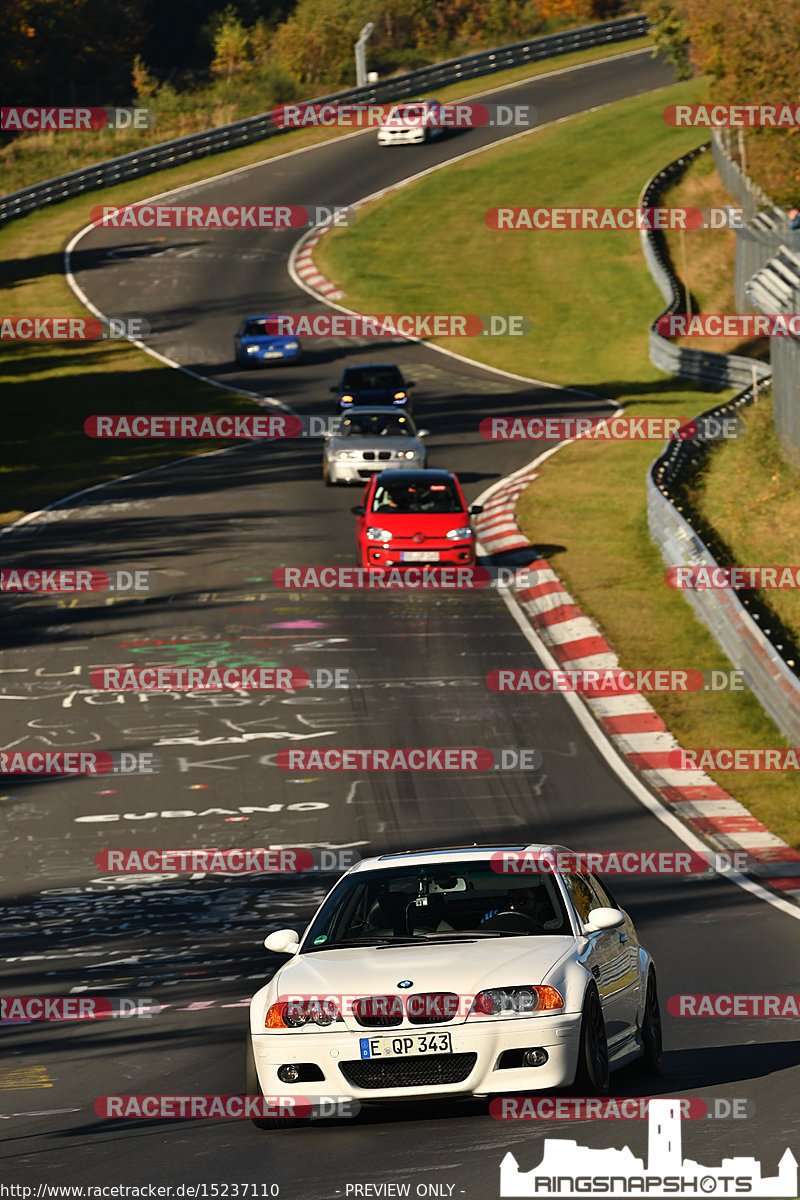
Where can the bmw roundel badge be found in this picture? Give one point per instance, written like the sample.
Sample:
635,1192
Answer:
406,983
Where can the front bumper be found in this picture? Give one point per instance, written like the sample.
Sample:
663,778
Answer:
460,554
400,137
355,471
484,1042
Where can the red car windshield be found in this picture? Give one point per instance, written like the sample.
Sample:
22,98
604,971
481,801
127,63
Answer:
417,498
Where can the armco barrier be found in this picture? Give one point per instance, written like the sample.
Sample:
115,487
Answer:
722,370
255,129
772,679
775,288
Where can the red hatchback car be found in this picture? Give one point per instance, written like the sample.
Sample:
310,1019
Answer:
414,517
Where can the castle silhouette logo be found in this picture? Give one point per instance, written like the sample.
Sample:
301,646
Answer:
568,1169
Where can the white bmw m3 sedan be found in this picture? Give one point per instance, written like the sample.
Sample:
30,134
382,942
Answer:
473,971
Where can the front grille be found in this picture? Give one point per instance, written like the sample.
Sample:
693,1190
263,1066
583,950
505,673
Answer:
420,1071
376,1012
368,455
432,1008
384,455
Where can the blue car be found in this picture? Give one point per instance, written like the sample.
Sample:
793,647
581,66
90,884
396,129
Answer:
374,383
254,346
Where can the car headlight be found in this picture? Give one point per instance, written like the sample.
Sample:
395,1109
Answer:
345,454
292,346
295,1014
460,534
345,399
523,1000
376,534
407,454
398,396
251,349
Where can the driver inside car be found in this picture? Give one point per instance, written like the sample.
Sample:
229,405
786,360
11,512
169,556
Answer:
530,902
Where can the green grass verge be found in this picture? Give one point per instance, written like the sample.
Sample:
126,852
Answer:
47,455
590,298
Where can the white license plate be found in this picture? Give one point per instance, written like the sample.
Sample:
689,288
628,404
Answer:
404,1045
272,354
420,556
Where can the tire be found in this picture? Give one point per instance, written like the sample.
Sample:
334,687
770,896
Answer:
650,1062
253,1088
592,1077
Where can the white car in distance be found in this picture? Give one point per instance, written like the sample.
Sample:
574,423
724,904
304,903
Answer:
409,122
436,974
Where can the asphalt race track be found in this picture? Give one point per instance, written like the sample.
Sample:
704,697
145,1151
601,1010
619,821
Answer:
214,529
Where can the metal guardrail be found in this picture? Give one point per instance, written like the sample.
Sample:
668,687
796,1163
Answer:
253,129
775,288
773,679
722,370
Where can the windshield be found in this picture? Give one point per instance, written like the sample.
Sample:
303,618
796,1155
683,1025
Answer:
377,425
442,901
365,378
256,329
417,498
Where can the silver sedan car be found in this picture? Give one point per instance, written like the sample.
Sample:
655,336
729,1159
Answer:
369,440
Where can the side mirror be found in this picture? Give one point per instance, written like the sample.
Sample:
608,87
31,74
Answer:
283,941
604,918
359,510
476,508
421,433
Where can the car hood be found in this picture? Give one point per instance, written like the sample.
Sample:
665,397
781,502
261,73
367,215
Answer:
461,967
265,340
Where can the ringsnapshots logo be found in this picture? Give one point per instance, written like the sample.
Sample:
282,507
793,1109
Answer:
614,681
567,1169
215,679
607,429
398,325
28,120
201,1108
60,580
72,329
409,115
271,860
78,762
220,216
396,758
